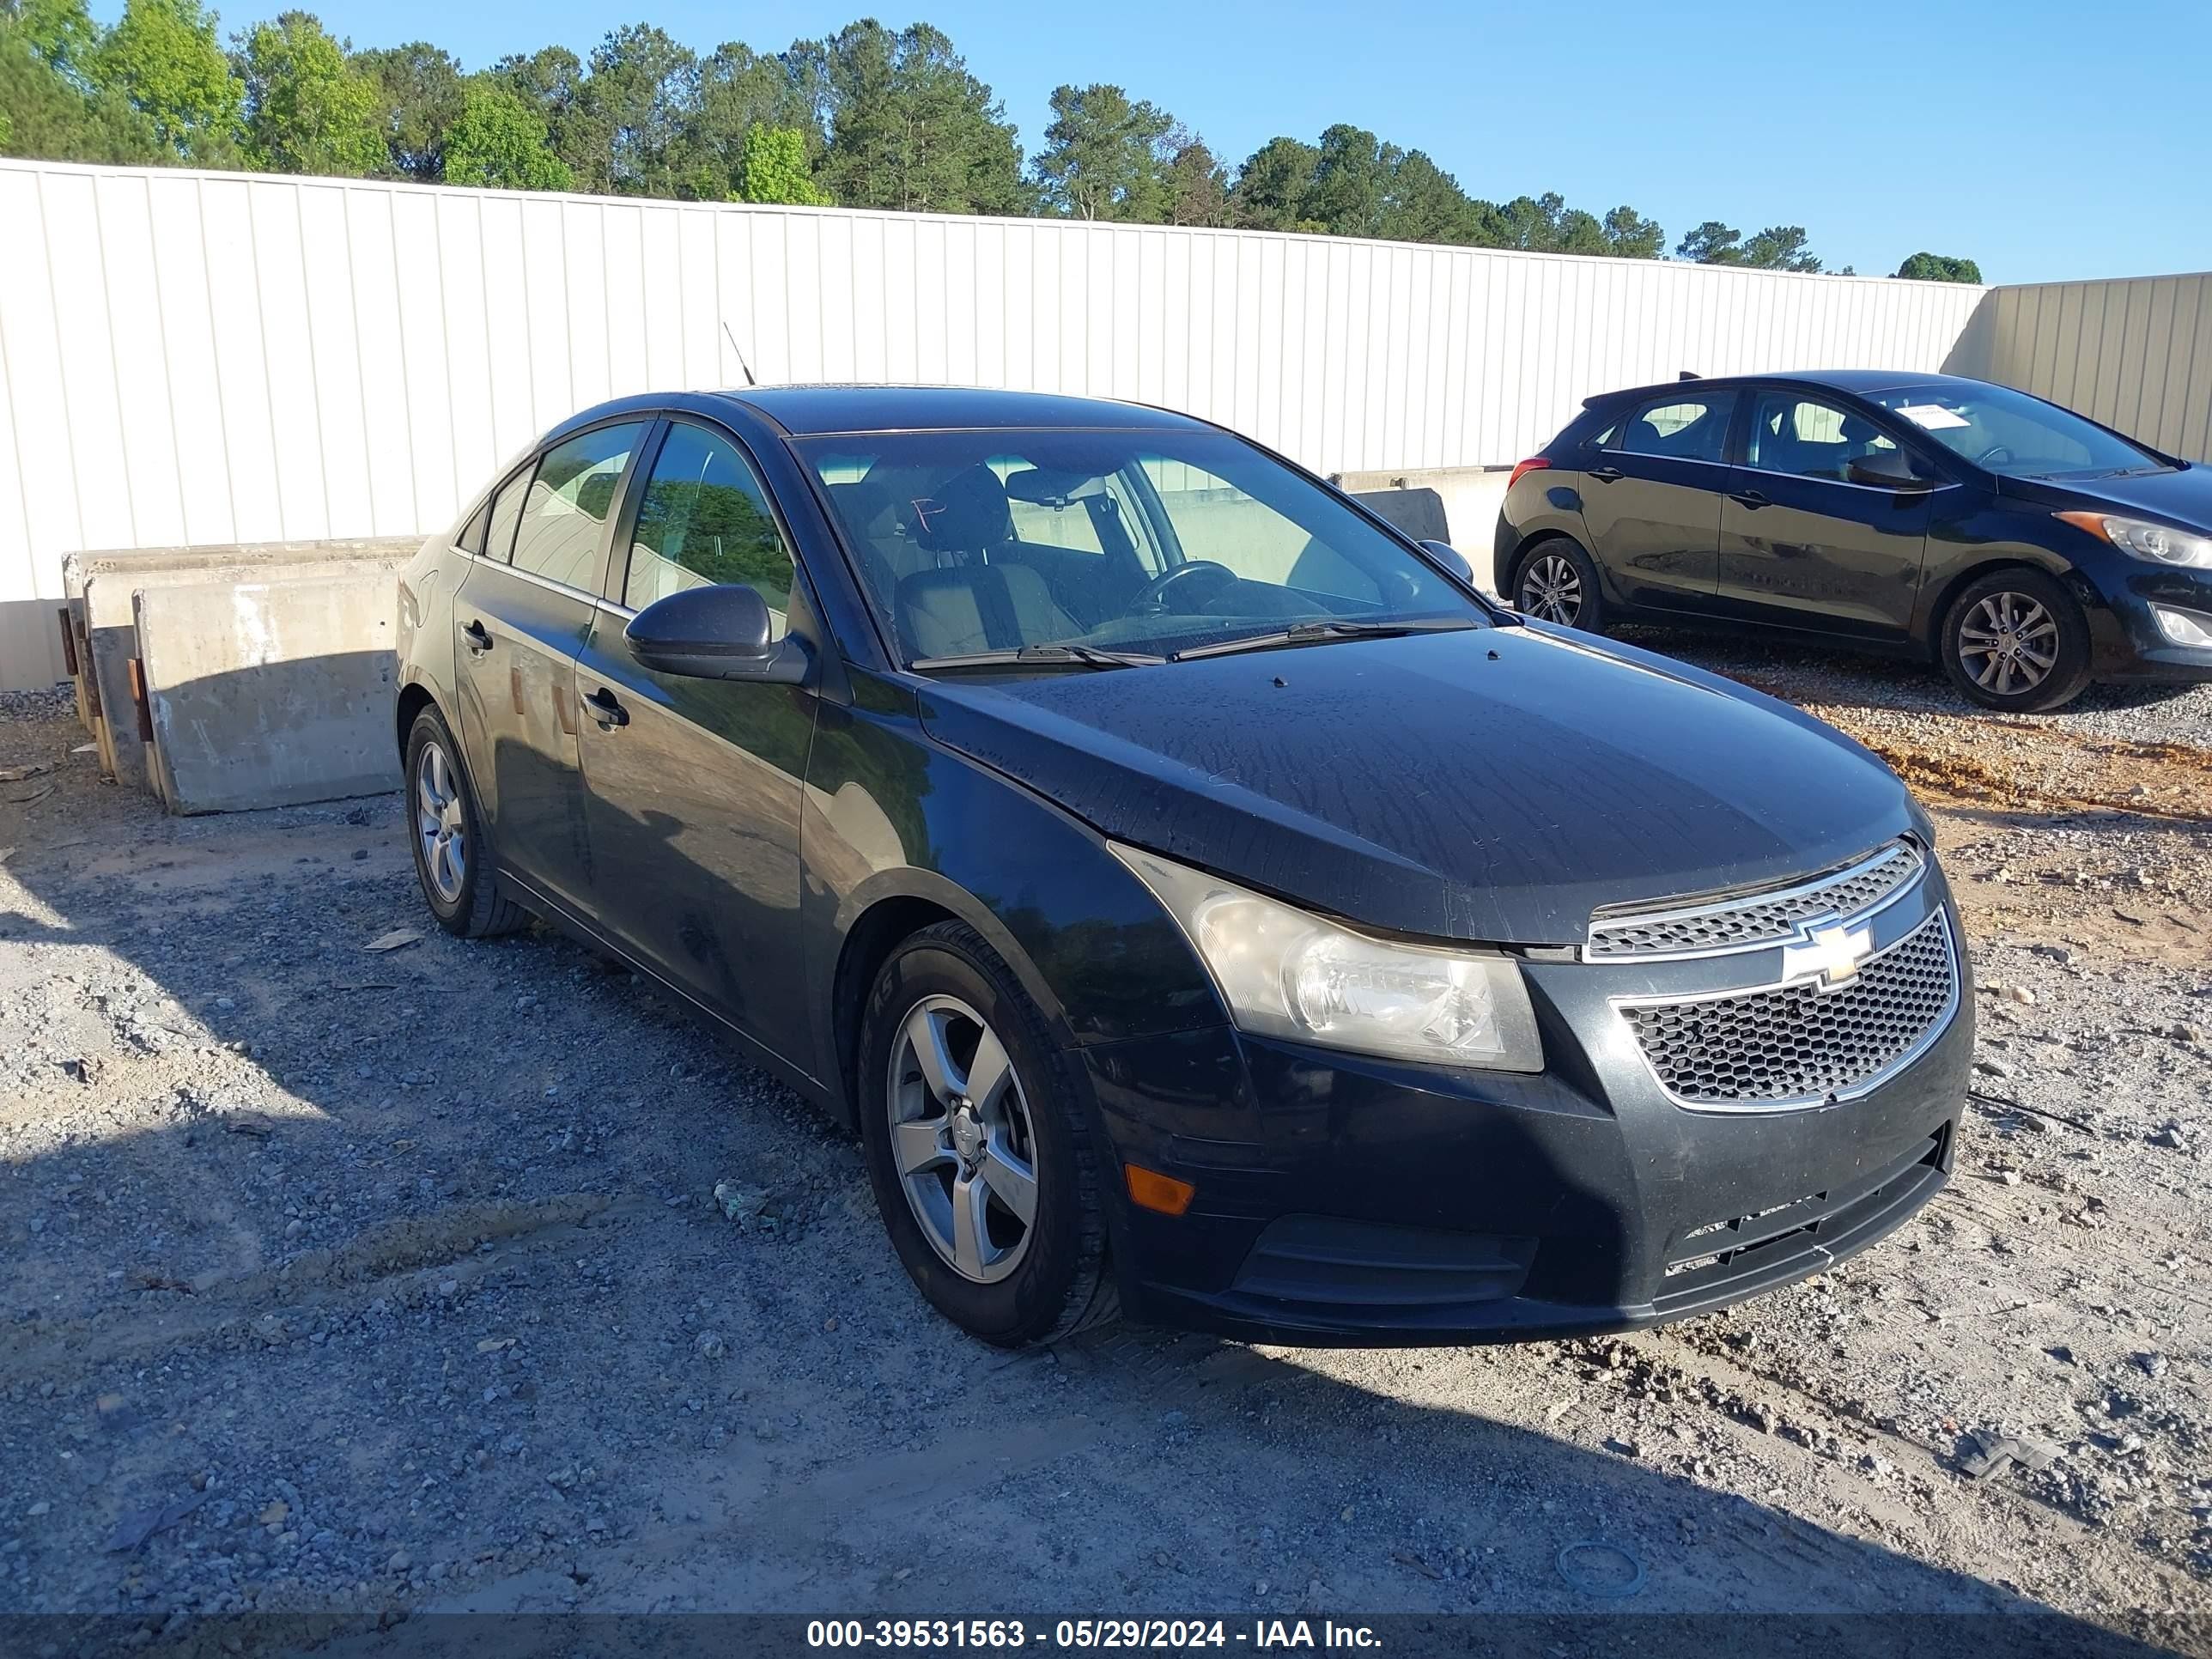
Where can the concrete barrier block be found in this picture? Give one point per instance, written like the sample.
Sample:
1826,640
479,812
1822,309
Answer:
107,580
1472,496
270,693
1419,513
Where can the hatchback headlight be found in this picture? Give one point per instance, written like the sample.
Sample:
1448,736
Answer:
1286,973
2145,540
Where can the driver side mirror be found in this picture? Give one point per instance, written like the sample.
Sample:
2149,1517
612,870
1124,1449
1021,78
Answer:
1888,469
1452,560
718,633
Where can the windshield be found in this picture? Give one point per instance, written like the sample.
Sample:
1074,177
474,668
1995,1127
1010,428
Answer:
1147,543
2010,433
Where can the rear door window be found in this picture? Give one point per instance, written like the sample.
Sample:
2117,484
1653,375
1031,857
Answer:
1807,439
564,515
1679,426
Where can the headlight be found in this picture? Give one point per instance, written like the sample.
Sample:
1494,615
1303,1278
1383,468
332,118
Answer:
1288,974
2145,540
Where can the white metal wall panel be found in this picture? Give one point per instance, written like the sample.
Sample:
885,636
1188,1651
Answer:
219,358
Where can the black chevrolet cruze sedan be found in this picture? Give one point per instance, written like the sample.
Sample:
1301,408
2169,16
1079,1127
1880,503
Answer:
1197,897
2025,549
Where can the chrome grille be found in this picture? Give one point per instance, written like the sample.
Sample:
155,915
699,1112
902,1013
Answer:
1756,919
1796,1044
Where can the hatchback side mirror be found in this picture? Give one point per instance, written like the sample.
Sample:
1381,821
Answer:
1888,469
717,632
1452,560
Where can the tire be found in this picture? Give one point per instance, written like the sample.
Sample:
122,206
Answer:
2015,640
1543,578
443,814
1050,1276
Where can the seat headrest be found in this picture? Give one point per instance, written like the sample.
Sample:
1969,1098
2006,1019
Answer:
968,513
1857,429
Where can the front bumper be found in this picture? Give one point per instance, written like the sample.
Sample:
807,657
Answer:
2127,642
1342,1200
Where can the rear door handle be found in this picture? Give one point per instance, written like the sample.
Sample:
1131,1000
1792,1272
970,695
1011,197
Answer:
479,640
1604,474
1748,498
602,707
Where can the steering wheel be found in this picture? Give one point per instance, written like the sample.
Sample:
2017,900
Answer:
1154,595
1989,456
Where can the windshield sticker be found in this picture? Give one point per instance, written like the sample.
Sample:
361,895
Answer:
1931,417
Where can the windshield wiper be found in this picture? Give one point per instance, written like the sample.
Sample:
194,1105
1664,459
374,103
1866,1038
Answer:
1073,656
1307,633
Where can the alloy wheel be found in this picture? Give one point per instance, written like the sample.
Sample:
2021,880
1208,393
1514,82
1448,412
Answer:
1552,590
962,1141
440,826
2008,644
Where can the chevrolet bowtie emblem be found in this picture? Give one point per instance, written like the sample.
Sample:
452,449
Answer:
1833,953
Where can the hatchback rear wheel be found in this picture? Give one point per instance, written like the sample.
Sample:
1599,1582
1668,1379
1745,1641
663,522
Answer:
2016,641
983,1166
1557,582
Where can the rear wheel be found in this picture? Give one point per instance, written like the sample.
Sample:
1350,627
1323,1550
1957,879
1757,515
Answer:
982,1167
453,848
1557,582
2016,641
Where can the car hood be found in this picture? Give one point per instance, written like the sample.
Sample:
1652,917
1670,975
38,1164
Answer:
1495,784
2183,496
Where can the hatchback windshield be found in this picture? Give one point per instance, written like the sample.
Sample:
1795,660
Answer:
1136,542
2012,434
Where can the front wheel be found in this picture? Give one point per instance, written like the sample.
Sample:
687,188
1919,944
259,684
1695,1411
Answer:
2016,641
1557,582
982,1164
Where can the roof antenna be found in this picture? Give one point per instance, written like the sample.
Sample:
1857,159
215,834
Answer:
1689,375
740,351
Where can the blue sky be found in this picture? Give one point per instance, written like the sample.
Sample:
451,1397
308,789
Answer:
2047,140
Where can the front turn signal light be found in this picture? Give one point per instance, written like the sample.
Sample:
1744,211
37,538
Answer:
1149,1189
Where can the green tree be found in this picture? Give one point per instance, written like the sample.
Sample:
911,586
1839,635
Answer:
307,109
631,114
1106,156
776,169
162,59
909,127
59,34
1426,205
1629,235
500,142
739,89
1197,183
1273,184
45,113
1779,247
419,89
1940,268
1712,243
1350,192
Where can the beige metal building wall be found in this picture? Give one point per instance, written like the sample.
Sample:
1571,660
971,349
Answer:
190,357
2134,353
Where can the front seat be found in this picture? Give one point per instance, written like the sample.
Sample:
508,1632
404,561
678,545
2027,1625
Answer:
979,607
967,521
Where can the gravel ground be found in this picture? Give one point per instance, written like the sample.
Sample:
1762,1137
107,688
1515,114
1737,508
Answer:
380,1282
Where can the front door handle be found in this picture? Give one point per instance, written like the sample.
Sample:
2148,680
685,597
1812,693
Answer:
478,640
1748,498
1604,474
602,707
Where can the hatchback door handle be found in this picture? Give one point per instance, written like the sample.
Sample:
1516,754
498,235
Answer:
1748,498
479,640
602,707
1603,474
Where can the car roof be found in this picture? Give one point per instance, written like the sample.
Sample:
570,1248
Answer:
808,411
1858,381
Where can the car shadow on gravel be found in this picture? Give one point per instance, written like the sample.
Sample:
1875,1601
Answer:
390,1283
1879,681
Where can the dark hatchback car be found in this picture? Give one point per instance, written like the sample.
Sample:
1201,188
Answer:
2025,549
1196,896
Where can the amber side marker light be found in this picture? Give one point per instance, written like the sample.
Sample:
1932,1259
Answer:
1151,1190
